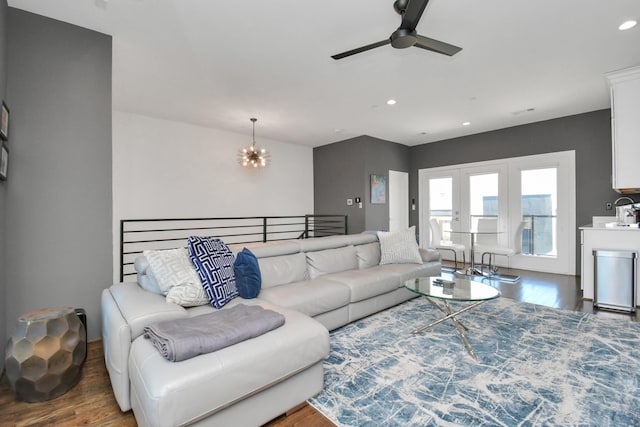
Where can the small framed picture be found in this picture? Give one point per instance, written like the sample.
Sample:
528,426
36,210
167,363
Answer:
378,189
4,122
4,163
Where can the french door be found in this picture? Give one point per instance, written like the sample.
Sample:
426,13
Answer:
463,199
543,195
499,195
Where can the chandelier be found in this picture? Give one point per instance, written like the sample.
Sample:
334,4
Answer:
253,156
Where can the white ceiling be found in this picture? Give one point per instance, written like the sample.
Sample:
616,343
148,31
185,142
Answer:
217,63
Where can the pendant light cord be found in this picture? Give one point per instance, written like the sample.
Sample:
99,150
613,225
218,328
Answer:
254,120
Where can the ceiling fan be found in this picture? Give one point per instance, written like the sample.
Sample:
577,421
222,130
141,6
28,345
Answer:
406,35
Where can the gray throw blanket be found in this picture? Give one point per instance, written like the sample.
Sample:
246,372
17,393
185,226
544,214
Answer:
182,339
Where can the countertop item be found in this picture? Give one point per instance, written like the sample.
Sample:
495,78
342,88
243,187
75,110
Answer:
610,226
608,223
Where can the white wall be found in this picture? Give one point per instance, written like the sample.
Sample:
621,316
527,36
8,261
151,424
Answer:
166,169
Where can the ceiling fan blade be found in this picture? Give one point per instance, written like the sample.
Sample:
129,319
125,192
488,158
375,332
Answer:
413,13
436,46
361,49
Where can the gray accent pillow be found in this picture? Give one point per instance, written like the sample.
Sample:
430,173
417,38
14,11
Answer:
141,264
148,281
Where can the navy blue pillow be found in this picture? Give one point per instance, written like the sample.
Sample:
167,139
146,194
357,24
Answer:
213,261
248,278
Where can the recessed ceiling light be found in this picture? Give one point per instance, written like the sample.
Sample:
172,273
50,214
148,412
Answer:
391,102
627,25
466,123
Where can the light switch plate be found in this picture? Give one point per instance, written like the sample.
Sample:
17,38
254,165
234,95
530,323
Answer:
349,202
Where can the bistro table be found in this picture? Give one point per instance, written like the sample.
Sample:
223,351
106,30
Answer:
472,270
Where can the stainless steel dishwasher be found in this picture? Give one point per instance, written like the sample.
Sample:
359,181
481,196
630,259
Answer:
615,273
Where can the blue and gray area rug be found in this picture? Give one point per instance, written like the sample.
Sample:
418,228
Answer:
536,366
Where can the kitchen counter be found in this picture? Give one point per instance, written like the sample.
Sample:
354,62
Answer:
606,226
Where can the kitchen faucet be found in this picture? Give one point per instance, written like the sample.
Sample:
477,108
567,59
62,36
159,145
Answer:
627,214
623,198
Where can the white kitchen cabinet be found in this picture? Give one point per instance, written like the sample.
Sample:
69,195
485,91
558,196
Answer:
604,238
625,129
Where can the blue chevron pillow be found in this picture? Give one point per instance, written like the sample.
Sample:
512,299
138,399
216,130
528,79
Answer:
213,261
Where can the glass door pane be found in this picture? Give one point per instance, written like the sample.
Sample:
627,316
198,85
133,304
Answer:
539,211
484,206
441,203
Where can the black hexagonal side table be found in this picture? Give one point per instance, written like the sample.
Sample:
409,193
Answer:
44,356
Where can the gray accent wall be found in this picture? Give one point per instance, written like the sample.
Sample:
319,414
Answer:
381,157
3,185
342,171
589,134
58,248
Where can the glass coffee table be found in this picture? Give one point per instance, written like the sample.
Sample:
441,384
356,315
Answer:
445,290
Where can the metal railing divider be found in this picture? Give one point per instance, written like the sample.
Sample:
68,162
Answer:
166,233
264,229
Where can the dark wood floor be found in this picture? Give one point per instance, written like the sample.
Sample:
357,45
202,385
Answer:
91,402
551,290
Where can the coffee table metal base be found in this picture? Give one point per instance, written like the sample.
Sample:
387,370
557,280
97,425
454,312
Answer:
449,314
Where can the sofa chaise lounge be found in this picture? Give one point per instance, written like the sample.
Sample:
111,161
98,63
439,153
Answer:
318,284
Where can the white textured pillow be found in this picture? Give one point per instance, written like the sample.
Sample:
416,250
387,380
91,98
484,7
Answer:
188,295
172,267
399,247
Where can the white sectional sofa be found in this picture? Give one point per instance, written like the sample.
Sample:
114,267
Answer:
317,284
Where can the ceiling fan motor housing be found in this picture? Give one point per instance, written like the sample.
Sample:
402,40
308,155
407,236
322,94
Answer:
400,6
403,38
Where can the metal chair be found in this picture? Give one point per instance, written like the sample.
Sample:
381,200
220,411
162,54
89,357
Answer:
492,251
438,244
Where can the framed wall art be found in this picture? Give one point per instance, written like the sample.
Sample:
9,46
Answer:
4,163
4,122
378,189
